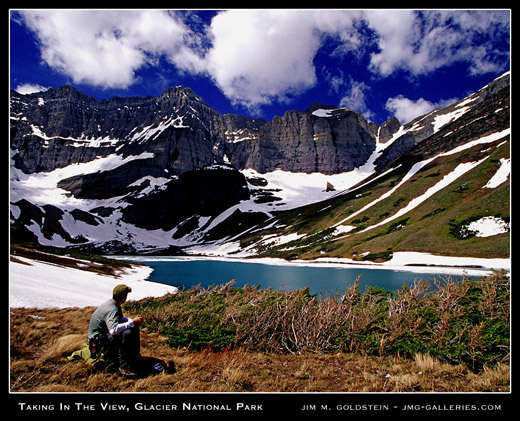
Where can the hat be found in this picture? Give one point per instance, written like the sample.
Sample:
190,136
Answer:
121,291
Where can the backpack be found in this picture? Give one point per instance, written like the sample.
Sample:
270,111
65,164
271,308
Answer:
98,360
101,361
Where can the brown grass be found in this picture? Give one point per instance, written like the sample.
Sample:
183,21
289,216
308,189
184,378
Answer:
40,340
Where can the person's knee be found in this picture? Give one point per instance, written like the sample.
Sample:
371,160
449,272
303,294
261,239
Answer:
126,333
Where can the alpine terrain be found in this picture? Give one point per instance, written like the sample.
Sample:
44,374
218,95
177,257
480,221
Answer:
171,175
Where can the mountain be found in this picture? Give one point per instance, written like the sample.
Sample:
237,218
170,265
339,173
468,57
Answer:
169,173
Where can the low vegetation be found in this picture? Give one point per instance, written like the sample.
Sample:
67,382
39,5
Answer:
449,337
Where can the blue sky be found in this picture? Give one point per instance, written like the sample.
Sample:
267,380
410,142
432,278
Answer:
262,62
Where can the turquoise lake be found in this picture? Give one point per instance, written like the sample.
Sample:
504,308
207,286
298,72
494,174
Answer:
325,280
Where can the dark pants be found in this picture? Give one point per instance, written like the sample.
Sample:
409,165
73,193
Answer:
125,348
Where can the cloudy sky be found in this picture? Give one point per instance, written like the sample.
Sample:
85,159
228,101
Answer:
263,62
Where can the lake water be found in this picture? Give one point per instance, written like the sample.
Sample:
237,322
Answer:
325,280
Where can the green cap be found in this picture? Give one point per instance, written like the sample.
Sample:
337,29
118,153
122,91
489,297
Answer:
121,291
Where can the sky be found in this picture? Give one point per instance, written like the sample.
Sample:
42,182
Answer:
263,62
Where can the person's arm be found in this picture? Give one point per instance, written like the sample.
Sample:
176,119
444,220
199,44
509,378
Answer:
118,328
115,327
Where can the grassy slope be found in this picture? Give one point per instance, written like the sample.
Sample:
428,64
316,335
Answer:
41,340
425,229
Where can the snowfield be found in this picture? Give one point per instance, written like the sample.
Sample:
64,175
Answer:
43,285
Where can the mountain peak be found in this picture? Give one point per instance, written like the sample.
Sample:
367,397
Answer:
179,91
318,106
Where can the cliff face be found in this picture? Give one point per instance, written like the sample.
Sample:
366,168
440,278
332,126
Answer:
146,160
321,139
61,126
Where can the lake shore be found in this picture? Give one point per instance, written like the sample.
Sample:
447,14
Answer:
67,287
401,261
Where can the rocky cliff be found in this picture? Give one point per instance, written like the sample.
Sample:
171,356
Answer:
61,126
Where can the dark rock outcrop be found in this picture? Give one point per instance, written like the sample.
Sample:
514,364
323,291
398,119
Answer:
204,192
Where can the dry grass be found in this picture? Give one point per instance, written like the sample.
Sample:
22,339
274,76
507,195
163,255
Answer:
40,340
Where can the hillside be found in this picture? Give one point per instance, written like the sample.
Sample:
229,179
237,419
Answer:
454,204
449,195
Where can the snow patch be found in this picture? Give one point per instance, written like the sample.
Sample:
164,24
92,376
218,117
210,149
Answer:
488,226
283,239
325,113
501,175
443,119
342,229
150,132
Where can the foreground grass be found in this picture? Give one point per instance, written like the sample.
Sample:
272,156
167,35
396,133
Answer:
248,340
41,340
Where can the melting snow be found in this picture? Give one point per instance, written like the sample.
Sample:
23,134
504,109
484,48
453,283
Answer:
67,287
342,229
501,175
448,179
488,226
41,188
443,119
324,113
283,239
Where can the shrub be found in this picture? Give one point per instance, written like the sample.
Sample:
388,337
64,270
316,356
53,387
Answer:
458,322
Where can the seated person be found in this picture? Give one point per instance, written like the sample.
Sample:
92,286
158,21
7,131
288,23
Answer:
108,328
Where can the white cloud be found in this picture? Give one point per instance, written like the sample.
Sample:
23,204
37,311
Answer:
355,99
406,109
259,56
263,55
106,47
254,56
422,42
29,88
